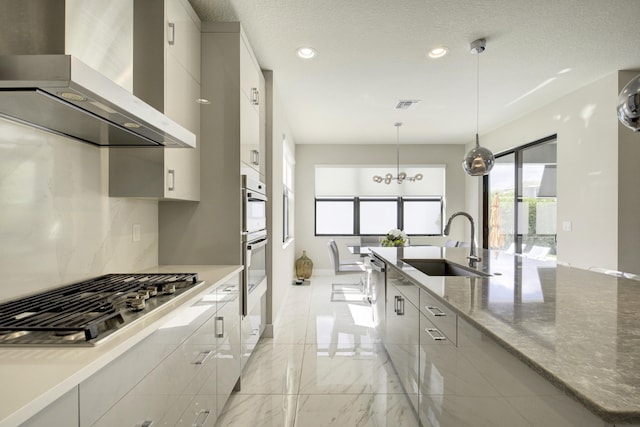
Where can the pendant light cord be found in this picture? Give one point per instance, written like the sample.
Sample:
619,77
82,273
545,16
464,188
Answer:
398,149
477,99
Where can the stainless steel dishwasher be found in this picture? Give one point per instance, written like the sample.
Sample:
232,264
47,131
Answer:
378,289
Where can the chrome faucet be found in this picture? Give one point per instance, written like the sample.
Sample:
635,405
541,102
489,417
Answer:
473,257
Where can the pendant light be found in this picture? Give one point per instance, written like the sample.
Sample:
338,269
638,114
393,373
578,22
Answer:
479,160
400,176
629,105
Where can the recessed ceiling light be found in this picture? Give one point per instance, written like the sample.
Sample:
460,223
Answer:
306,52
438,52
203,101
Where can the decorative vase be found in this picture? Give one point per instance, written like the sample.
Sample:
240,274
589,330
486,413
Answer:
304,266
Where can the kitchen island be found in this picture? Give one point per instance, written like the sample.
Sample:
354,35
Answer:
577,329
35,377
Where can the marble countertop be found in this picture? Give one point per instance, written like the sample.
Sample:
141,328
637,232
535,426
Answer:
578,329
34,377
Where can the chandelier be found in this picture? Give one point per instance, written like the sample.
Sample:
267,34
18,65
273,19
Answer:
400,176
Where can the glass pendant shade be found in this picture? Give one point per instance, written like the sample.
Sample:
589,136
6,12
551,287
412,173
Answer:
629,105
479,161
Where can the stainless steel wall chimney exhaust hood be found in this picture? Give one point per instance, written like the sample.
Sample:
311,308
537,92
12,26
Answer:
60,94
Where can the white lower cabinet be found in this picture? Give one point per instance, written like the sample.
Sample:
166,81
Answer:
402,337
460,377
62,412
228,356
253,324
182,374
453,392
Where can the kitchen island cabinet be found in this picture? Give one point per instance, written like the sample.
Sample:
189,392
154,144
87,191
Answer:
402,337
531,344
37,379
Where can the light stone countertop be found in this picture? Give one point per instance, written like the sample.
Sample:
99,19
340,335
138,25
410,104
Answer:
34,377
578,329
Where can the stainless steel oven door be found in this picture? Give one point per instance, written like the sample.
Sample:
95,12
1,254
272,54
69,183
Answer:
255,265
254,206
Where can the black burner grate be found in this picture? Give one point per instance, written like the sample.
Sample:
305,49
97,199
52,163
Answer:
87,307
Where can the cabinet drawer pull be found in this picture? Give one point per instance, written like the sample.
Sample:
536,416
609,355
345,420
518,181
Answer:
202,357
201,418
146,423
220,321
435,334
171,179
436,311
399,306
171,34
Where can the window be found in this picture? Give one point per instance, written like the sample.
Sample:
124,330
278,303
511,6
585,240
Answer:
287,192
422,217
335,217
349,203
356,216
520,200
377,216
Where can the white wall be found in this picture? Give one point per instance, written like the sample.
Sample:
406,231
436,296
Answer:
588,192
57,223
282,253
308,155
628,194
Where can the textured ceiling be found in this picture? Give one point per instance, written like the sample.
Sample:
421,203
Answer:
372,53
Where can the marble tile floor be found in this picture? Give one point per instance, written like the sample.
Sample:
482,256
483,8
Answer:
323,367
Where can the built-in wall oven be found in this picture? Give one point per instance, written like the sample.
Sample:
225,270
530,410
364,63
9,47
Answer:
254,240
254,205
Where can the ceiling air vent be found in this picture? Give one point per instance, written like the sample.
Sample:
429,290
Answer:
407,104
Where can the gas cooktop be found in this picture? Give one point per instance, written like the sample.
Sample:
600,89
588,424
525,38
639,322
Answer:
86,312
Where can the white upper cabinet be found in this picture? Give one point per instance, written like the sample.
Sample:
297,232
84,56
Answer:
166,74
250,75
235,84
252,113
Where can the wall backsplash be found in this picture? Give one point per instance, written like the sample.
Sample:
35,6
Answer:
57,223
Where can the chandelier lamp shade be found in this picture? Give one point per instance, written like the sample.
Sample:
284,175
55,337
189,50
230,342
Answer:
479,160
400,176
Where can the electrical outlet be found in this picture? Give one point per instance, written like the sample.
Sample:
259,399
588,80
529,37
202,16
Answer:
135,232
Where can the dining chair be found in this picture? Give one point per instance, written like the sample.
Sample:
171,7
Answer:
340,267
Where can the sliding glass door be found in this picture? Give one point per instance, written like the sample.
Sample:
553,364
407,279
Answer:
520,201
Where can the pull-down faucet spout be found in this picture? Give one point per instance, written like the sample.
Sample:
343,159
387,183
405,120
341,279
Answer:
473,257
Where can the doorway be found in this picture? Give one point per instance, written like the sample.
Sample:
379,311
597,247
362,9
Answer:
520,201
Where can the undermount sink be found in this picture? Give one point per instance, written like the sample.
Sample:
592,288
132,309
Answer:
442,267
